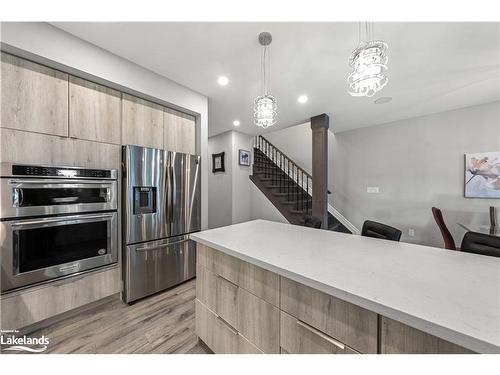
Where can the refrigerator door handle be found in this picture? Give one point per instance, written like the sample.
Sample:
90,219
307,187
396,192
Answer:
147,248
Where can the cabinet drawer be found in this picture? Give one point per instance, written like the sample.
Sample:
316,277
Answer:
205,286
258,281
218,294
219,335
258,321
350,324
300,338
398,338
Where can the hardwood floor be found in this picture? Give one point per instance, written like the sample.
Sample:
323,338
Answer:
163,323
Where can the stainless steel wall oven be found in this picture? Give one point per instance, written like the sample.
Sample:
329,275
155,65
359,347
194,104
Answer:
55,222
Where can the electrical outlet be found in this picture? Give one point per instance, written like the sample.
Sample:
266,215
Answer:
372,189
411,232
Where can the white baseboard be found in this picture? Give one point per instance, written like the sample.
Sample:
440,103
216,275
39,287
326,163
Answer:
308,188
346,223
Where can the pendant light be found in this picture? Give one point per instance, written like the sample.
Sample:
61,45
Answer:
264,110
368,63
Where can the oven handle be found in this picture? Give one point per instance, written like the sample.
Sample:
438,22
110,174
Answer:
60,219
161,246
61,182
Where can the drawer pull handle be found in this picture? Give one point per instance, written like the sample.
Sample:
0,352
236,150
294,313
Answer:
322,335
233,331
230,282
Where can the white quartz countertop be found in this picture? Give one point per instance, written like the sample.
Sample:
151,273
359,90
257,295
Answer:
449,294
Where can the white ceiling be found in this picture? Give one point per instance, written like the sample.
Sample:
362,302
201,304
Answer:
433,67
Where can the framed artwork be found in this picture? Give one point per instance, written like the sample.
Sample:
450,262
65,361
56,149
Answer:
218,162
482,175
244,158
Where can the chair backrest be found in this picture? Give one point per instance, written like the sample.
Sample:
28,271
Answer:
449,243
379,230
479,243
312,221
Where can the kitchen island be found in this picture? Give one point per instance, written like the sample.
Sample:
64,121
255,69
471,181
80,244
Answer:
278,288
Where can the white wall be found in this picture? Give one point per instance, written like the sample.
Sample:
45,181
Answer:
417,163
240,178
220,184
262,208
48,45
233,197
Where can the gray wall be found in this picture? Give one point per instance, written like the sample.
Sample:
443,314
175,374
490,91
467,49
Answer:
416,163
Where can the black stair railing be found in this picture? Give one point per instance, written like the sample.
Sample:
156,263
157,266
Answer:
285,175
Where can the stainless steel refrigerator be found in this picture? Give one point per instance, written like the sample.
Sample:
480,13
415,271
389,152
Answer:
161,206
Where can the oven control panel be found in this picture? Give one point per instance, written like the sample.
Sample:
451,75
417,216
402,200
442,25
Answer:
39,171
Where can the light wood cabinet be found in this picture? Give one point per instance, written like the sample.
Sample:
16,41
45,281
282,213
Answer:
235,316
26,307
94,112
34,97
262,283
226,301
348,323
297,337
142,122
219,335
179,132
51,150
258,321
398,338
206,290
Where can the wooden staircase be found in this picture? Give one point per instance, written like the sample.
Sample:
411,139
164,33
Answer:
285,184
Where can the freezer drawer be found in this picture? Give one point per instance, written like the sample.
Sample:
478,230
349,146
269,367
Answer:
157,265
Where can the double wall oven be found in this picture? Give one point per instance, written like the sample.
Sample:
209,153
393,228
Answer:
55,222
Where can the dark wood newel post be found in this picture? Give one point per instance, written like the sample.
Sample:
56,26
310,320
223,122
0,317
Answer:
319,126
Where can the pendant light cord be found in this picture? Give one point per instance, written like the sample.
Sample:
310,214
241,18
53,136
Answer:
264,67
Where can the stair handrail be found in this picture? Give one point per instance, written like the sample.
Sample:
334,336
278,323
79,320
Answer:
282,153
298,167
260,141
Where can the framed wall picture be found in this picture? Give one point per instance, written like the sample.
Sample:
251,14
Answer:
482,175
244,158
218,162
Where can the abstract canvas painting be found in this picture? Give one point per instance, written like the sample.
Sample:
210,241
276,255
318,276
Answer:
482,175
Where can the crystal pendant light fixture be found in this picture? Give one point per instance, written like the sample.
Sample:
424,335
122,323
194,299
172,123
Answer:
264,109
368,63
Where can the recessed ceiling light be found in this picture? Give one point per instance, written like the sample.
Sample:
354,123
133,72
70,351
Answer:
236,123
223,80
383,100
302,99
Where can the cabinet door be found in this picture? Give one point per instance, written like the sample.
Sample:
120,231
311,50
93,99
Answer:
398,338
296,337
142,122
94,112
34,97
179,132
50,150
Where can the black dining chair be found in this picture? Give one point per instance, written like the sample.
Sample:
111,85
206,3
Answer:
312,222
479,243
379,230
